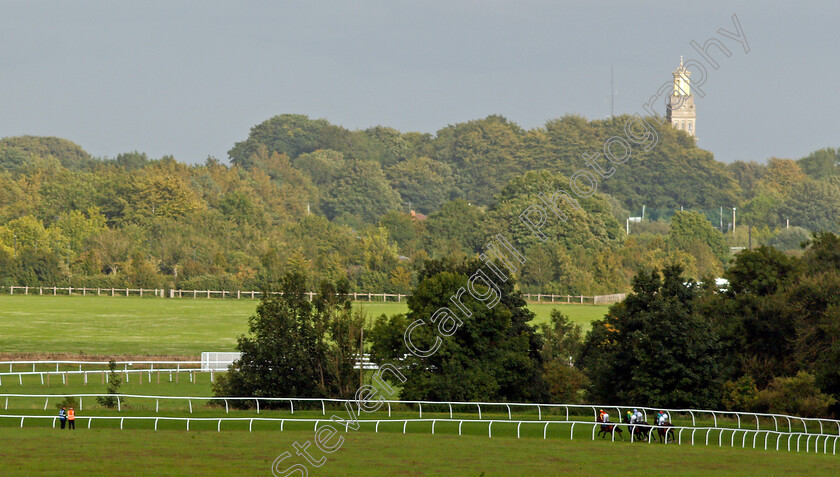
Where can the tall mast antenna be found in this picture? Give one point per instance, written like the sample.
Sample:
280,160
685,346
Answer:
612,93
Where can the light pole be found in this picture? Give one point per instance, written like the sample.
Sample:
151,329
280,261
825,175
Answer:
15,246
733,220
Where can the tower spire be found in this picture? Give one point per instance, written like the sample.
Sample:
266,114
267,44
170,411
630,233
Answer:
680,112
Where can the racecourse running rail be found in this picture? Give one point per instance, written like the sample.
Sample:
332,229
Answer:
748,417
674,430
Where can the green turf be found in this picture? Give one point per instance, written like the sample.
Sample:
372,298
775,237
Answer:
206,452
583,315
183,386
156,326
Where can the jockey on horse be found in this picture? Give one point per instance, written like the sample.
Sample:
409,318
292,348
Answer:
641,429
663,420
604,417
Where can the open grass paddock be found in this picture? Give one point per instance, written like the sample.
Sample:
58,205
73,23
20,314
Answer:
206,452
158,326
185,327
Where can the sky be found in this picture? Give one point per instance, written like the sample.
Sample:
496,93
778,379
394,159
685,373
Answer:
190,78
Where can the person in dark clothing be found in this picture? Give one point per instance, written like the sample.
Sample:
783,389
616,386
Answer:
62,416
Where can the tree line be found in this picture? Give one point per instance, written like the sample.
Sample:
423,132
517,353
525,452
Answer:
372,206
766,342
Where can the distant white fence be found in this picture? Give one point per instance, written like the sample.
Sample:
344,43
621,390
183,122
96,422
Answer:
178,293
211,362
718,417
175,368
159,292
583,299
675,432
253,294
218,360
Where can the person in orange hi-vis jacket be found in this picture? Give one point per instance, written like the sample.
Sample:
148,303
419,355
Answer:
71,419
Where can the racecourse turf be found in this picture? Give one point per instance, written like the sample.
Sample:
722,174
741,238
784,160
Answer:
117,452
157,326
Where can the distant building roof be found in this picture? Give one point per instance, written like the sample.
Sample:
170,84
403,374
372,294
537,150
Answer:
417,216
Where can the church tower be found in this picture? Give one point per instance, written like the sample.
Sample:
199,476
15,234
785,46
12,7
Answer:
680,112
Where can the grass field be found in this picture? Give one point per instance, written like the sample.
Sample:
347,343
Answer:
138,450
160,385
154,326
171,452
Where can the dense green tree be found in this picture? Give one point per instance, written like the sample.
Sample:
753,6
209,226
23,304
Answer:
423,184
779,318
281,355
457,228
310,190
815,205
362,195
815,301
689,227
79,227
158,195
132,160
494,355
296,347
483,152
783,174
765,208
823,252
13,159
747,174
821,164
755,323
37,266
590,225
406,231
674,173
239,208
323,166
789,239
562,342
384,145
68,153
292,135
760,272
654,348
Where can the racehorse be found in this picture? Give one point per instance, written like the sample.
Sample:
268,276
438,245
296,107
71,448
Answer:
609,429
641,430
662,430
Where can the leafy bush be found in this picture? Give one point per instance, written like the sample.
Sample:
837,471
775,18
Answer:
224,281
740,395
797,395
565,383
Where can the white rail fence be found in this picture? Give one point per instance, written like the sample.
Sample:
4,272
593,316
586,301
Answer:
64,375
176,367
718,417
253,294
120,364
159,292
671,432
206,365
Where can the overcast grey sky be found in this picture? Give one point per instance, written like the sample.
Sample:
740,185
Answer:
191,78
